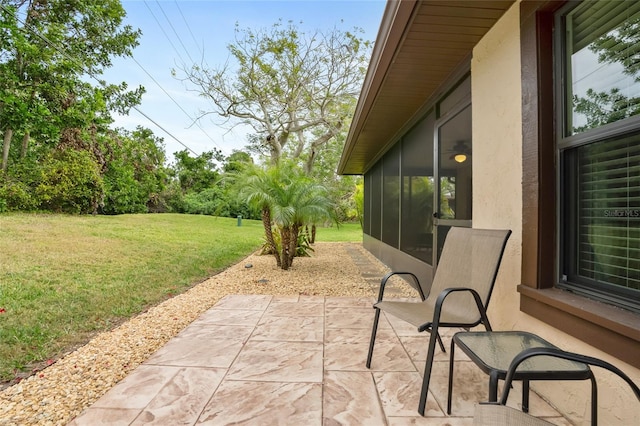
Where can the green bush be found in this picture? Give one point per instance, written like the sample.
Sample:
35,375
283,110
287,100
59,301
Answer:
123,193
172,199
15,195
206,202
69,182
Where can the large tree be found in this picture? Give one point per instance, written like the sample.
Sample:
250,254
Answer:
296,90
49,51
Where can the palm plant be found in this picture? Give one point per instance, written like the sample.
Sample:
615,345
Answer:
257,187
288,199
307,202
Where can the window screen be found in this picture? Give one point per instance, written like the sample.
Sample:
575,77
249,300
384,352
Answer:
376,200
391,197
416,236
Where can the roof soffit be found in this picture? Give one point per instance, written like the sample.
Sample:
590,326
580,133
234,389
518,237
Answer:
419,45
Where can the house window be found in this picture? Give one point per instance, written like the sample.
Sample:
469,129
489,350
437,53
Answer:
597,60
554,143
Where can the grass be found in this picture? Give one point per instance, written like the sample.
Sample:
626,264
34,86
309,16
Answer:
63,278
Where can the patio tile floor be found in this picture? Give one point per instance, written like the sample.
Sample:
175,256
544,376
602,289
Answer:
268,360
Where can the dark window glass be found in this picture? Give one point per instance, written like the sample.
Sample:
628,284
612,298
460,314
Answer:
600,151
367,204
603,207
602,46
376,200
455,137
417,191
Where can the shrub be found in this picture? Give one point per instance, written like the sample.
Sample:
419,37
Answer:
69,182
15,195
123,194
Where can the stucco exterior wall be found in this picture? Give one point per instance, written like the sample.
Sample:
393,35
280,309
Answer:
497,154
497,203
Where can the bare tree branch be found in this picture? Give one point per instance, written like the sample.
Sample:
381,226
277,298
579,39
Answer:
286,84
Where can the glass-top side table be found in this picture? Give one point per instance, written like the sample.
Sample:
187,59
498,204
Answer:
493,351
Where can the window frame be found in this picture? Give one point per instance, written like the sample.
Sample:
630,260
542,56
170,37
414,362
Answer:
566,144
606,327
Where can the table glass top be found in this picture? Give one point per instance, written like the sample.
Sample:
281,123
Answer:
498,348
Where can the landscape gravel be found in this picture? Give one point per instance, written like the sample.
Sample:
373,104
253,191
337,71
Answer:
58,393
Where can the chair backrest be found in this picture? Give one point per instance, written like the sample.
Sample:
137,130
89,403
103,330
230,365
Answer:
470,258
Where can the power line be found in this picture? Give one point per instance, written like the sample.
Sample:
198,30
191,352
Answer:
194,121
175,102
164,130
163,31
174,31
90,74
189,28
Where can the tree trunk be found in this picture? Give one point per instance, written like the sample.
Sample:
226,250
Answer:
268,233
8,134
25,144
293,242
285,235
313,233
308,165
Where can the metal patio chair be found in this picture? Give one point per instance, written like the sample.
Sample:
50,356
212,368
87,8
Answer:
464,279
497,413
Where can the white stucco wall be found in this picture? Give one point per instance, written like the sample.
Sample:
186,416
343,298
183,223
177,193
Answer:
497,203
497,154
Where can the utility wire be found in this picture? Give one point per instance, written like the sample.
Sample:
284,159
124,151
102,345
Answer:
90,74
175,102
164,130
189,28
174,31
163,31
197,123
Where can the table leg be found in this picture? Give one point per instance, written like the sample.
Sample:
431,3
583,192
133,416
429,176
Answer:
525,396
450,387
493,386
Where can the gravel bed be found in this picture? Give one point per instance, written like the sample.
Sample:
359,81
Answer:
58,393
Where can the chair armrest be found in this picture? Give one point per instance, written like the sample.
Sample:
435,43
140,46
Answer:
559,353
446,292
383,283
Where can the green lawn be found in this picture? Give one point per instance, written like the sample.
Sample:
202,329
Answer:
65,277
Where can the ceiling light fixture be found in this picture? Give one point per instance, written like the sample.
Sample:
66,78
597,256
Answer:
460,152
460,157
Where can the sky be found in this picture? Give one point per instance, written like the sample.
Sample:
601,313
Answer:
182,32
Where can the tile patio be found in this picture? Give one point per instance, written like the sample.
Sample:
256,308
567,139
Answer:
268,360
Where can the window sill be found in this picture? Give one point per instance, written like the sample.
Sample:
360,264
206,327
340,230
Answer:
608,328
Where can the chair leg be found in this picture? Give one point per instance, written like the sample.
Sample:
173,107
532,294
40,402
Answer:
427,370
373,336
450,387
594,401
440,343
